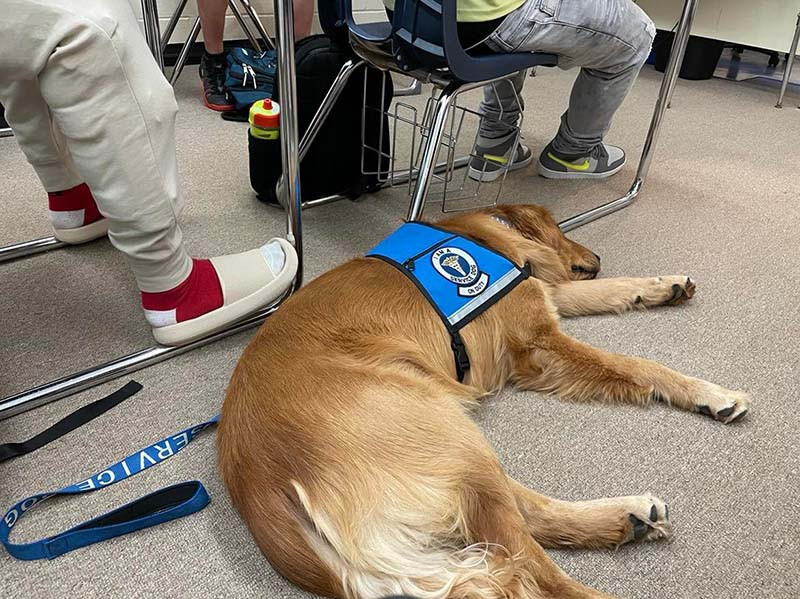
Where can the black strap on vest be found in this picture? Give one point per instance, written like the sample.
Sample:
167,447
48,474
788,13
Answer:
460,354
68,424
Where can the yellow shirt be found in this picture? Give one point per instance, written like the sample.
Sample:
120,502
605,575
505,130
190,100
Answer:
478,11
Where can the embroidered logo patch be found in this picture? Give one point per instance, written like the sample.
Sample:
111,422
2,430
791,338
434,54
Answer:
458,267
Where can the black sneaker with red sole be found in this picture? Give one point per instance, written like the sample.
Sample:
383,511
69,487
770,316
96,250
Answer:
212,74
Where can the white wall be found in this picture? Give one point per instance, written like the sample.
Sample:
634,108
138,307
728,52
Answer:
366,9
762,23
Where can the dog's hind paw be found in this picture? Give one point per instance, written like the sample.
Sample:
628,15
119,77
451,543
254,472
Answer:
648,518
722,404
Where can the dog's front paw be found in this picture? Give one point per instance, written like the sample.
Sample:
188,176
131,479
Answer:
665,291
721,404
649,519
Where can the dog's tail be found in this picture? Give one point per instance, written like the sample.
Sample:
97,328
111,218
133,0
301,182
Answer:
393,551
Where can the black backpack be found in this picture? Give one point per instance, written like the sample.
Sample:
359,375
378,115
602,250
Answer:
333,164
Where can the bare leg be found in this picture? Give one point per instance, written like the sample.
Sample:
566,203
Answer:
212,21
575,370
303,17
603,296
594,524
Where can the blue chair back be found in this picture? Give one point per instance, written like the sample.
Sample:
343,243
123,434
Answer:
424,34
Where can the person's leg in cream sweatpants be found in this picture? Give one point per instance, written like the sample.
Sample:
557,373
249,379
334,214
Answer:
88,104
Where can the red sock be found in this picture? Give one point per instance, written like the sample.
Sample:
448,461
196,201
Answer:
73,208
199,294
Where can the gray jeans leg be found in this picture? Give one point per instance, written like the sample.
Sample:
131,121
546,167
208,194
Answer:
595,98
608,39
501,107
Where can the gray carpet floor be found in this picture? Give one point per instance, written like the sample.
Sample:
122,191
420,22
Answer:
721,204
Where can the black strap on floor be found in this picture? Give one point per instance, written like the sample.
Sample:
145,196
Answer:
68,424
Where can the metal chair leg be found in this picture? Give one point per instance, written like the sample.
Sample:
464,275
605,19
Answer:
327,104
262,31
68,385
240,19
151,32
413,89
787,73
184,53
171,24
428,162
667,85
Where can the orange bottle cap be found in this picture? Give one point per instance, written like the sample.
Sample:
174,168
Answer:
266,114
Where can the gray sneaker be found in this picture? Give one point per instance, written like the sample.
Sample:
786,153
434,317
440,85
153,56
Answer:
602,161
489,162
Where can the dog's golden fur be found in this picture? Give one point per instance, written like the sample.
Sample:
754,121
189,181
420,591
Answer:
347,446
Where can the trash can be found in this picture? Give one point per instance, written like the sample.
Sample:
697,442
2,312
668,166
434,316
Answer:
699,61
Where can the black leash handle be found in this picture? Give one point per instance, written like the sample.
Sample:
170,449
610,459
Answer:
69,423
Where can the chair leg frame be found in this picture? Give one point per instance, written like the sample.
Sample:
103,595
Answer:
171,24
68,385
183,55
664,97
447,96
325,107
787,73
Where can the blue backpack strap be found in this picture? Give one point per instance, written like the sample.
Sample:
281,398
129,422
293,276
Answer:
459,277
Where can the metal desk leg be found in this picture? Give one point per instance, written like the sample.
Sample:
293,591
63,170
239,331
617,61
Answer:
86,379
151,32
789,63
667,85
80,381
29,248
290,148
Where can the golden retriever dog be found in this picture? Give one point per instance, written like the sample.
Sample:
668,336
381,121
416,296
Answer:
346,441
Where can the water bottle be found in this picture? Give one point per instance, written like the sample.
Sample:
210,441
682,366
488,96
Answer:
265,116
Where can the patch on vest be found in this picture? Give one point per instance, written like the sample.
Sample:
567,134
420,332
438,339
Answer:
459,267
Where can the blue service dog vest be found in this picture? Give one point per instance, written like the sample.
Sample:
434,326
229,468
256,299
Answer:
459,277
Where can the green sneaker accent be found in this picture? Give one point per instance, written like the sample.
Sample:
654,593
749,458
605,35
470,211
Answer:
570,165
490,163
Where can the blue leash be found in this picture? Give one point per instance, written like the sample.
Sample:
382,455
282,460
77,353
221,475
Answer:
160,506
